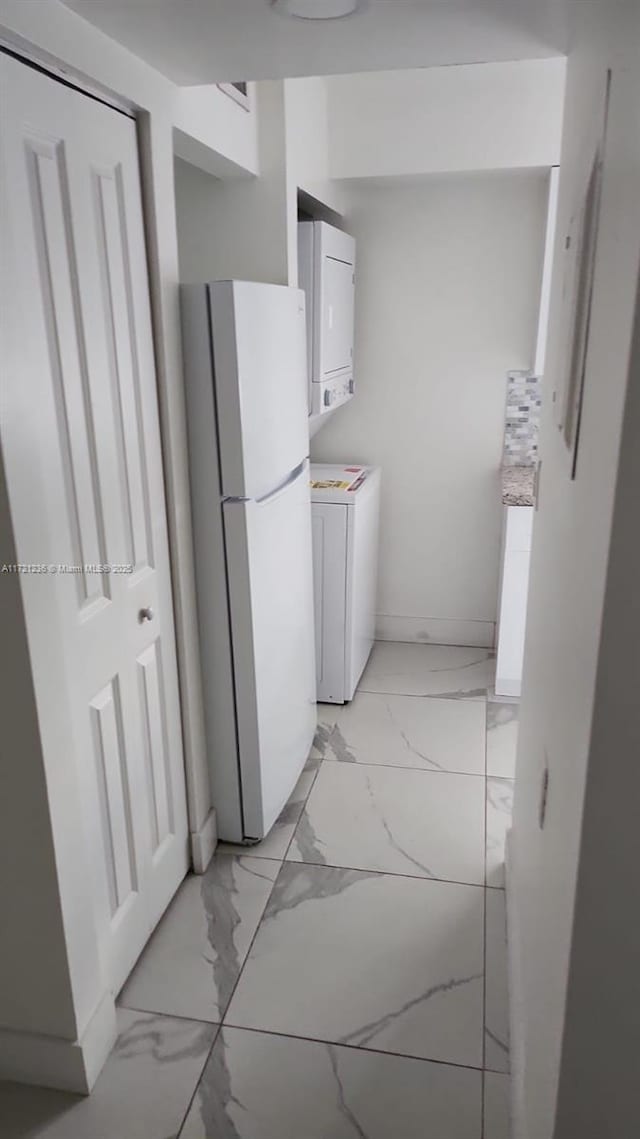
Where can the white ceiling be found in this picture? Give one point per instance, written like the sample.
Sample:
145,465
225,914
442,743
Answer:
201,41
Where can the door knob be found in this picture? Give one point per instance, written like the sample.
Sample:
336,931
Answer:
145,615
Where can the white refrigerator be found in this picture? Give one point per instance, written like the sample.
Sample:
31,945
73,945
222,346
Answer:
246,385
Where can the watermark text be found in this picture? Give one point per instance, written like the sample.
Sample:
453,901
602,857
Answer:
53,569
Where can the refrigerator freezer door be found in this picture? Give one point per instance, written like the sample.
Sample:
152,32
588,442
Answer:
271,604
260,363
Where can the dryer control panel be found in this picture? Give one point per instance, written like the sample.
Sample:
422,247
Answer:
331,393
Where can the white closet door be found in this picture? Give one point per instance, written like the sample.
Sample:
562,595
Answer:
80,425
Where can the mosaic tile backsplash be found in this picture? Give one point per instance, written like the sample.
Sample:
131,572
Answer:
524,401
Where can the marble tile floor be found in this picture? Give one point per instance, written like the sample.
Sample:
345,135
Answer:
502,738
346,977
446,671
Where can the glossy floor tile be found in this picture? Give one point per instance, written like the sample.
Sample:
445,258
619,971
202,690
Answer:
385,962
502,739
400,821
143,1092
277,841
499,812
194,958
345,954
406,731
259,1086
496,1107
496,1016
428,670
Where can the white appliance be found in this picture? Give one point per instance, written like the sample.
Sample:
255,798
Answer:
248,446
514,589
326,269
345,508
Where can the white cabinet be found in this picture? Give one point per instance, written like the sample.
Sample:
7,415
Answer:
329,530
326,268
513,599
345,506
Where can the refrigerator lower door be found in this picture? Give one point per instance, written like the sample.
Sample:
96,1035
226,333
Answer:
271,608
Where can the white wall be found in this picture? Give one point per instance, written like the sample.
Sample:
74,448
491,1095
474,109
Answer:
213,130
247,227
308,143
242,228
598,1093
490,116
582,632
447,290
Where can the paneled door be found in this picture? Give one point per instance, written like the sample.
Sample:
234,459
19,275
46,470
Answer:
79,405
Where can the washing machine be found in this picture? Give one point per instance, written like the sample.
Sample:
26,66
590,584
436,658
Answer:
345,509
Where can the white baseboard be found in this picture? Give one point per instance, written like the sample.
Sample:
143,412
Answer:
435,630
516,999
51,1062
203,843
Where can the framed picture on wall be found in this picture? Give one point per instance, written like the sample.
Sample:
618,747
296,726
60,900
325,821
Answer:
580,257
239,92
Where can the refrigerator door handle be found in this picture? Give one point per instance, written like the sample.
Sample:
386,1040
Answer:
292,477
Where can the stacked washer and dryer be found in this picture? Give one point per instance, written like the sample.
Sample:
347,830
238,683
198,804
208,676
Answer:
345,501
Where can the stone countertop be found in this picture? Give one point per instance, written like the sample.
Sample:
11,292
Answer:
518,485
